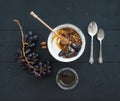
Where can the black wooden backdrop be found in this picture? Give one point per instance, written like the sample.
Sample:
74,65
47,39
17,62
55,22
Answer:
96,82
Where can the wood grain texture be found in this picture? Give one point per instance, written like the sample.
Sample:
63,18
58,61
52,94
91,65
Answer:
96,82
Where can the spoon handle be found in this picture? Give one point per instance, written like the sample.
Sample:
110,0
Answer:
91,60
65,40
44,23
100,59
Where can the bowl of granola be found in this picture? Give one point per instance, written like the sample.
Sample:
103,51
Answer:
66,52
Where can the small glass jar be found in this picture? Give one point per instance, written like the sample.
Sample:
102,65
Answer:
67,78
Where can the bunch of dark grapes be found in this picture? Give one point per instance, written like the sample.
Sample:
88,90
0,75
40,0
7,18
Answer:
27,55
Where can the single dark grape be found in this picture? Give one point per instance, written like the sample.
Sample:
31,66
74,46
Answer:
30,33
68,54
45,65
19,52
38,75
36,66
29,41
76,53
29,56
35,37
49,67
74,45
48,63
70,49
61,53
27,51
44,73
77,48
21,60
48,72
31,38
36,55
40,63
32,45
33,53
35,61
26,36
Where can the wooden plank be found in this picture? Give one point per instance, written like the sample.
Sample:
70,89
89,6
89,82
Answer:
105,13
95,82
11,40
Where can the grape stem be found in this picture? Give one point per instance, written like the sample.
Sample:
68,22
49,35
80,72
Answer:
23,45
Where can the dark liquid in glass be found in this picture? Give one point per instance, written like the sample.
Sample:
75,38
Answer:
67,78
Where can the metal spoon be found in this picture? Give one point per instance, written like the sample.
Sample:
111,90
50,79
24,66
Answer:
63,39
92,30
100,37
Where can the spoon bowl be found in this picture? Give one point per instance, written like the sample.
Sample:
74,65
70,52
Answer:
100,34
92,28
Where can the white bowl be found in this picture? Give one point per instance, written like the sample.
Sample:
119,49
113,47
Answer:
54,49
